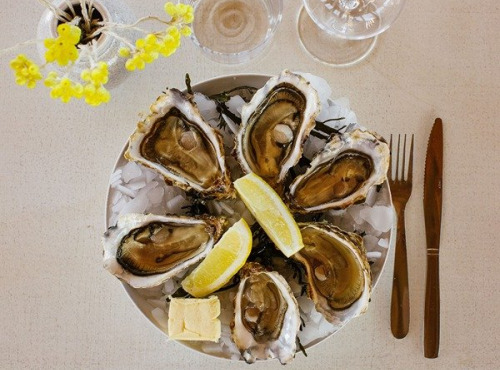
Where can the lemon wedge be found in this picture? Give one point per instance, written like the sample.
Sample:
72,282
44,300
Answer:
271,213
222,262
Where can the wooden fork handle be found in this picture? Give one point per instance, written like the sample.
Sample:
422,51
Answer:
400,302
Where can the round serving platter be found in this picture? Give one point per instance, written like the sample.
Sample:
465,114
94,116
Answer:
378,207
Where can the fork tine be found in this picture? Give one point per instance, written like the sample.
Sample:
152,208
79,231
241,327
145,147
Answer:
404,160
390,161
410,162
397,158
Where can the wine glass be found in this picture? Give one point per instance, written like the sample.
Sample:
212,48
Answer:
343,32
234,31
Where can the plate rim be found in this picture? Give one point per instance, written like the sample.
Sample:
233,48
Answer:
199,87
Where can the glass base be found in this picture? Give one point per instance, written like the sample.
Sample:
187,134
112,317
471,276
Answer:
328,48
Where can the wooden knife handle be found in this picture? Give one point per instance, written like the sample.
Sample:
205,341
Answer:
400,301
431,318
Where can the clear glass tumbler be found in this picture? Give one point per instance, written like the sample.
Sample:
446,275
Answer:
234,31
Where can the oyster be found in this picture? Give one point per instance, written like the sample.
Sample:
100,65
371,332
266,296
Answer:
274,126
175,141
342,173
146,250
266,316
338,273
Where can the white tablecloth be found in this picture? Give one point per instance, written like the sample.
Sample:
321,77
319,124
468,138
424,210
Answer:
60,309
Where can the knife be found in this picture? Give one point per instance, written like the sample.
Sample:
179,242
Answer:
433,190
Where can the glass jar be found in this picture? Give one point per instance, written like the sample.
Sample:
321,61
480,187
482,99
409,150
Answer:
104,47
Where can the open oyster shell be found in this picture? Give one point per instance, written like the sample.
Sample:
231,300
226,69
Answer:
266,316
338,272
146,250
275,125
342,173
175,141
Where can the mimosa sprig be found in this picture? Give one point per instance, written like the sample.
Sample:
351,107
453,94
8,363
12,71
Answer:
75,43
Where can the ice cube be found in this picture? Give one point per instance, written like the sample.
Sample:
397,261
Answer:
312,146
211,347
136,205
149,174
315,316
130,171
226,208
136,184
305,304
155,195
356,212
170,287
373,255
343,103
370,242
372,196
234,104
116,177
384,243
113,219
380,217
206,106
226,339
175,204
126,191
115,197
329,112
232,126
160,317
320,85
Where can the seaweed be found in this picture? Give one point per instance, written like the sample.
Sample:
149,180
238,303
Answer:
301,347
246,93
187,80
197,207
180,293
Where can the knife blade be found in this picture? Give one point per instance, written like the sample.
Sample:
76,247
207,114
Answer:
433,193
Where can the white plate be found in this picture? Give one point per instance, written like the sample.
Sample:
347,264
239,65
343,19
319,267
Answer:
377,254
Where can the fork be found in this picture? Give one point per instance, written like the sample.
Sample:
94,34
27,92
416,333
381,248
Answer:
401,191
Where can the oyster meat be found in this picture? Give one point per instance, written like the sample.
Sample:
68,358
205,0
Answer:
275,125
175,141
341,174
266,316
146,250
338,273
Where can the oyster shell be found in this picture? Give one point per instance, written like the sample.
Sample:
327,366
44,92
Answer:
146,250
338,273
274,126
175,141
342,173
266,316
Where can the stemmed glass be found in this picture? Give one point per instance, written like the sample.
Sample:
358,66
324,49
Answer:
344,32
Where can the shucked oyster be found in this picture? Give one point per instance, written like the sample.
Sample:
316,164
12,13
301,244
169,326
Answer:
176,142
342,173
266,316
146,250
274,126
338,273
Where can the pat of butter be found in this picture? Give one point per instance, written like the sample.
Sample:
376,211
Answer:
194,319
